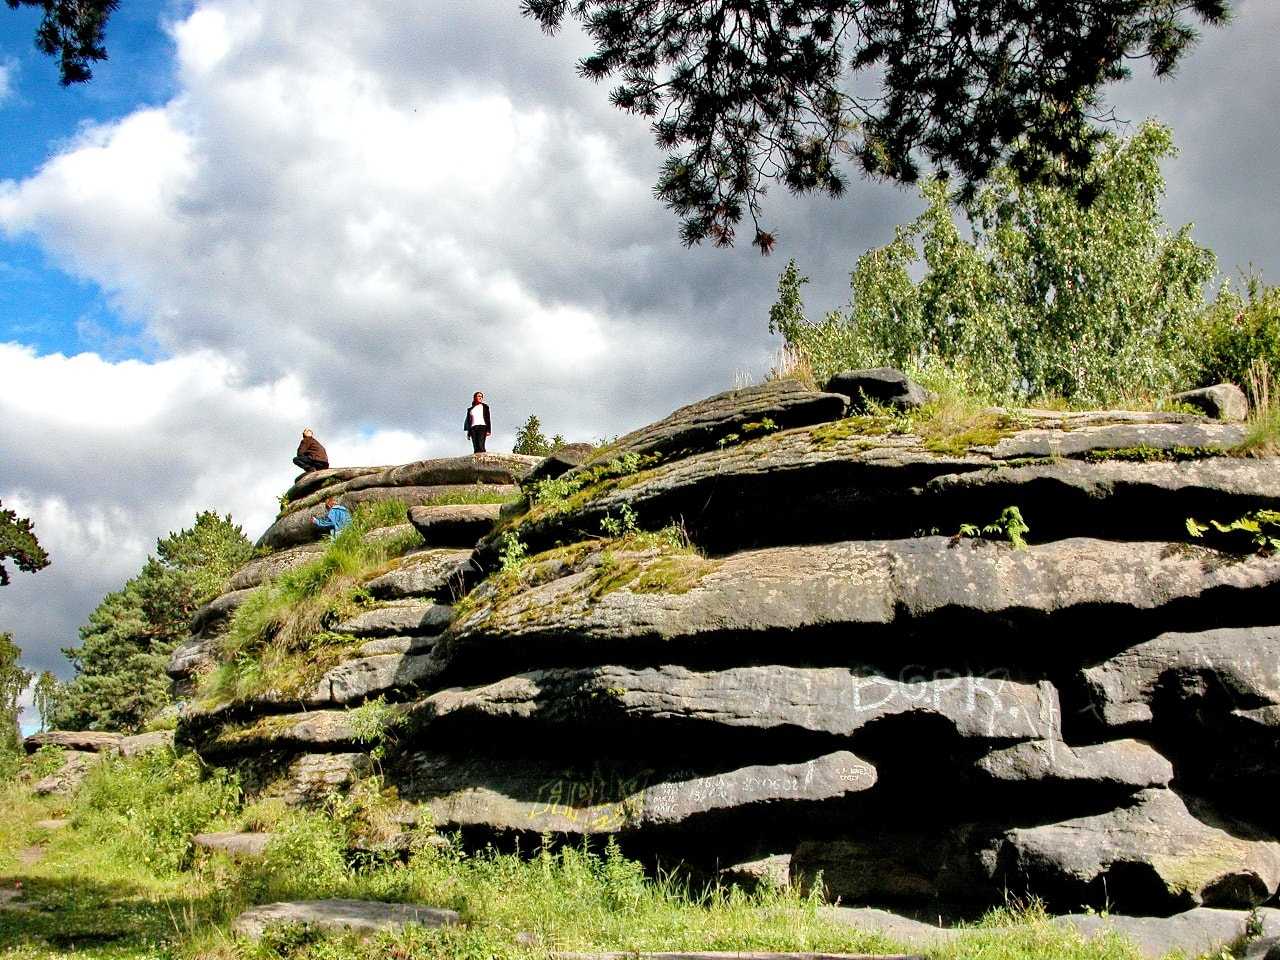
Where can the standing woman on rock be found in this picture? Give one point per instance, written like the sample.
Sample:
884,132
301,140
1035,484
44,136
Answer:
477,423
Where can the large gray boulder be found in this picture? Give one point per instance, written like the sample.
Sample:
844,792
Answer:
262,569
398,618
880,385
560,461
214,617
1151,856
429,573
365,677
1202,931
313,480
1231,667
1225,401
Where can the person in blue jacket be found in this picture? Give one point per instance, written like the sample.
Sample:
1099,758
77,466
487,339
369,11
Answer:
336,517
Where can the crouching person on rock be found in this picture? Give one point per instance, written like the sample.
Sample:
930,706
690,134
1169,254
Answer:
311,456
336,517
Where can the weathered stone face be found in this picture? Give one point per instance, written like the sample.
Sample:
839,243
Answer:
831,667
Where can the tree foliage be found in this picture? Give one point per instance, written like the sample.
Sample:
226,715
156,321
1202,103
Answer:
13,680
745,92
124,648
18,543
1241,330
46,697
74,31
531,441
1047,298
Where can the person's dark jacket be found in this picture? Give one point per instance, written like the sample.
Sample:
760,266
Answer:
310,447
466,419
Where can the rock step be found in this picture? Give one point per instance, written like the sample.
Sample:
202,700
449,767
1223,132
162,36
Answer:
437,574
397,618
776,405
485,471
259,571
295,528
833,701
214,617
81,741
1197,932
454,526
838,482
341,916
241,844
52,824
313,480
859,602
540,796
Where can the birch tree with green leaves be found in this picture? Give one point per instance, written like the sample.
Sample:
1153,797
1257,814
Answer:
1028,293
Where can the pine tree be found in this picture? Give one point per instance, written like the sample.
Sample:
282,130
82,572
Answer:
18,542
124,648
530,439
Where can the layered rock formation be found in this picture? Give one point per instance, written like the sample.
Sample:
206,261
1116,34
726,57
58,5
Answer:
762,631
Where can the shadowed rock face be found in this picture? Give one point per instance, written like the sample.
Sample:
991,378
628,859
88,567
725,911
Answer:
827,681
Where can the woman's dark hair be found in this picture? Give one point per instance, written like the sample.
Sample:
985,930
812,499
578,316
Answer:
477,395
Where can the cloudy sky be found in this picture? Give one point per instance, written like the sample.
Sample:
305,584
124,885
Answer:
266,215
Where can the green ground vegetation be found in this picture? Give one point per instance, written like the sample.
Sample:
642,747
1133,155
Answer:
120,885
124,882
278,638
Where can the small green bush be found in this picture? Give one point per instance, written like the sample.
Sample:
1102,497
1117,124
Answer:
1239,331
148,807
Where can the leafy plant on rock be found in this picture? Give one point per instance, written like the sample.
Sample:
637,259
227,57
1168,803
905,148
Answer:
1010,526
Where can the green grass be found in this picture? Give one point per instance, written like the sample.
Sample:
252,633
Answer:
278,637
94,891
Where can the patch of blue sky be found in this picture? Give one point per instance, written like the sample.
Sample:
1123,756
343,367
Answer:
40,305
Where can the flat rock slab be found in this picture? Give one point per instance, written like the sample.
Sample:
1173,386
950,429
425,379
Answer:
429,573
483,471
52,824
368,676
398,618
825,700
245,845
1202,930
296,528
845,480
454,526
341,916
145,743
539,796
853,598
75,767
313,480
259,571
82,741
214,617
702,425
